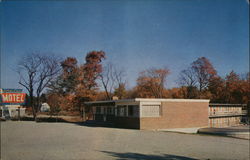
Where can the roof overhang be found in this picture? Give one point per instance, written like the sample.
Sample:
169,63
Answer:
113,102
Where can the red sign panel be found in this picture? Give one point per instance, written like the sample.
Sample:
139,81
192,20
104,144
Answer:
13,97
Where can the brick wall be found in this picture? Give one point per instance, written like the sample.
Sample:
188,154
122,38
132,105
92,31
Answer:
178,115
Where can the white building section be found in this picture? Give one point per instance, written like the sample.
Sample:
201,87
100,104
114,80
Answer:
150,111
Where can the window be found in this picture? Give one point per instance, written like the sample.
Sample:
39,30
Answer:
104,110
125,111
109,110
150,111
130,110
121,110
118,111
133,110
98,110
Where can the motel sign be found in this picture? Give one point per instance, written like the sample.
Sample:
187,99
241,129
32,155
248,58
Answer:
12,96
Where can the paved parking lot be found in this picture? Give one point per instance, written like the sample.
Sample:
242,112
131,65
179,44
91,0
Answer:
242,131
66,141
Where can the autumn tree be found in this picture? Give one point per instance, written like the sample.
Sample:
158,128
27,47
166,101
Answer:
88,74
198,76
54,101
235,88
77,83
36,71
66,82
175,93
101,96
132,93
151,83
231,89
245,88
120,91
70,74
91,69
217,89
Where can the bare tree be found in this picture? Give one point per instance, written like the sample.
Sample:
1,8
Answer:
111,78
119,75
36,71
107,79
197,77
187,77
204,71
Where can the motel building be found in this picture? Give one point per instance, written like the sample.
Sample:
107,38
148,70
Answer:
11,101
223,115
156,114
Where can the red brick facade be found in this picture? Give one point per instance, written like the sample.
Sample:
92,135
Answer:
178,115
154,113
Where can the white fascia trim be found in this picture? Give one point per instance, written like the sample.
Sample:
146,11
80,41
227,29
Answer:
93,102
171,100
150,100
108,101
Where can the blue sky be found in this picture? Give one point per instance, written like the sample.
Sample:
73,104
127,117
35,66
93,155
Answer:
135,34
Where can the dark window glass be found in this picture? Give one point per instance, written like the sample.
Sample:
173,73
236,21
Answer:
98,110
130,110
118,111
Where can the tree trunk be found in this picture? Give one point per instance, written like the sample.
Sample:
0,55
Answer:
32,105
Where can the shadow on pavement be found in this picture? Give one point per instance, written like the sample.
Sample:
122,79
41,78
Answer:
139,156
51,119
88,123
92,123
42,119
242,132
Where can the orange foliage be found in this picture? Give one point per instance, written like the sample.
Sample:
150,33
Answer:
151,83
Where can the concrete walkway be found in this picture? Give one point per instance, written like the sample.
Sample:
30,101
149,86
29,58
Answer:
236,131
181,130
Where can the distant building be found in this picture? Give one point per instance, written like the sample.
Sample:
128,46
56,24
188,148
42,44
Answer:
223,115
11,101
45,107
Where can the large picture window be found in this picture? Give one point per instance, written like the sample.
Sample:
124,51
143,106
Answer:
98,110
122,110
150,111
110,110
133,110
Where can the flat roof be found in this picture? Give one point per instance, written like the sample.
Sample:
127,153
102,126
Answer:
148,100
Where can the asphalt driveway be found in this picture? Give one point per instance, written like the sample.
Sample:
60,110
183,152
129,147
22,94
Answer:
67,141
